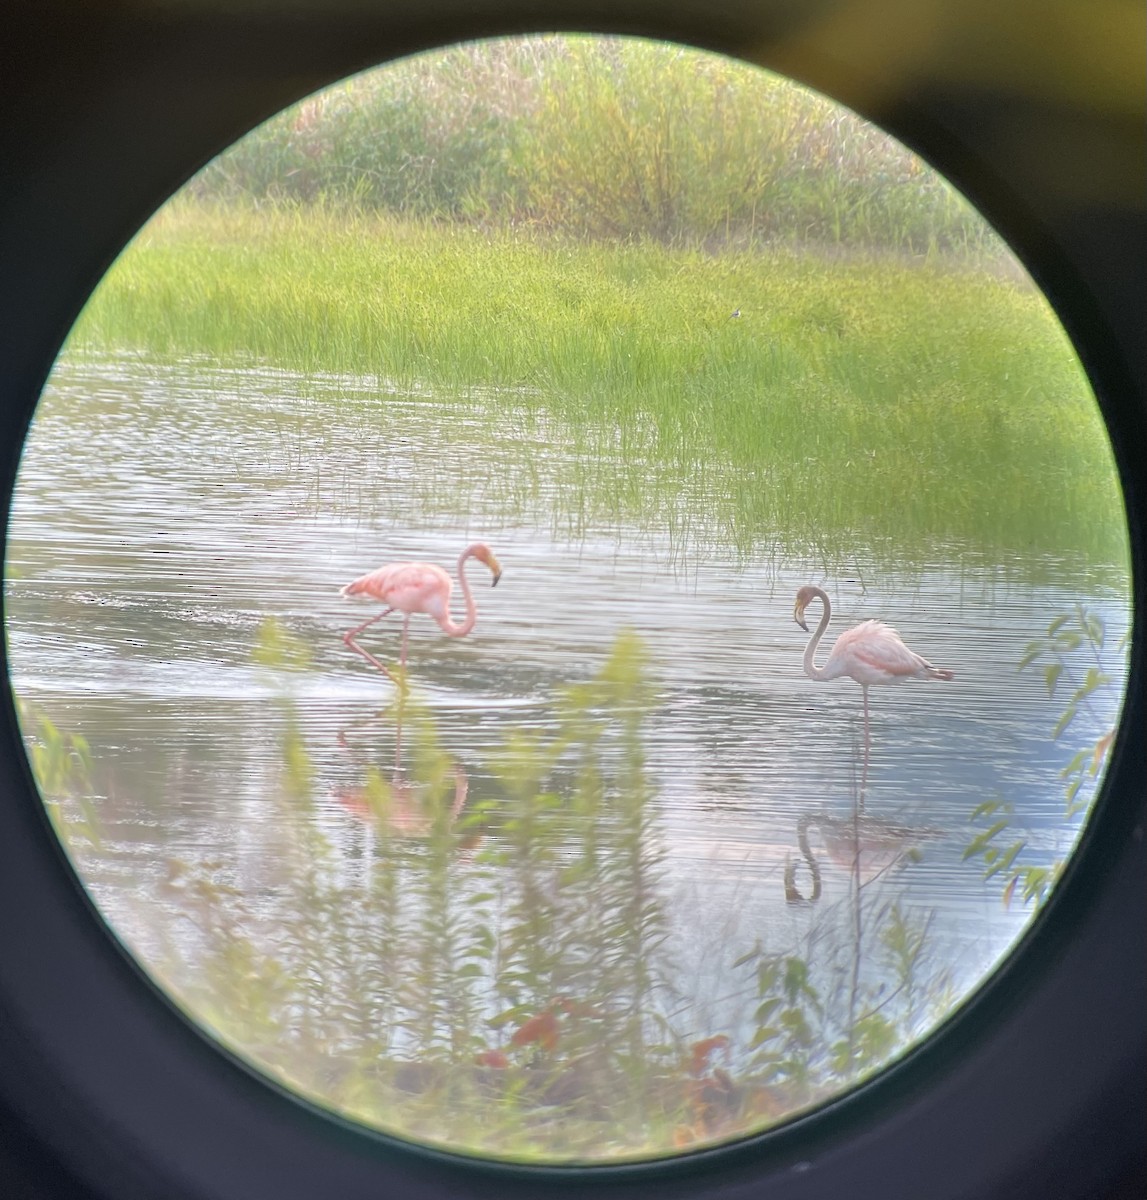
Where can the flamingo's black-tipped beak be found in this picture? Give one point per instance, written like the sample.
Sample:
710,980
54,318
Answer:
798,616
487,556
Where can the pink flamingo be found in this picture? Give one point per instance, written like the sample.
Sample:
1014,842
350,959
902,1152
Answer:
870,652
417,587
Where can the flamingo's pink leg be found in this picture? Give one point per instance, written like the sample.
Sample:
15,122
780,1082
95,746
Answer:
864,769
405,639
401,694
349,639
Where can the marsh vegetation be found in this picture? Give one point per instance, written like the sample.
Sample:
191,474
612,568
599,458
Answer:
882,403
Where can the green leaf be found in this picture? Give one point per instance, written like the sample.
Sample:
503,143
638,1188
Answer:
1051,676
765,1010
978,844
511,1014
796,978
1076,764
1033,651
797,1026
1058,624
1036,880
768,972
1069,715
1095,678
1095,628
1005,860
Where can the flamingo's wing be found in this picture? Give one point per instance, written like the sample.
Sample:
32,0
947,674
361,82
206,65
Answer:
408,587
876,650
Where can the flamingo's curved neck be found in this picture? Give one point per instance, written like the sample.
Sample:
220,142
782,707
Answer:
447,622
803,824
791,891
810,667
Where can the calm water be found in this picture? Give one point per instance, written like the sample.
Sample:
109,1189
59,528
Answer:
164,512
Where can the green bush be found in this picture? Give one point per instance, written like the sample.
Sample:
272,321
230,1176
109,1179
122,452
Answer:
601,138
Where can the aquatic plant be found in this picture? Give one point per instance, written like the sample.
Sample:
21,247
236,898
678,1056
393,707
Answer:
487,965
1074,652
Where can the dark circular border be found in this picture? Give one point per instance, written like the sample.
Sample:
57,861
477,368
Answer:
1038,1086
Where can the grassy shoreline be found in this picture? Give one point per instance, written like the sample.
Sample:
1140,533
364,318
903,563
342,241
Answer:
869,397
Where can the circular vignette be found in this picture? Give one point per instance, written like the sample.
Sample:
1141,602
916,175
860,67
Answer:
118,1087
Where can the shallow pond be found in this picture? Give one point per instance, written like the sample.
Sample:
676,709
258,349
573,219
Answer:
166,511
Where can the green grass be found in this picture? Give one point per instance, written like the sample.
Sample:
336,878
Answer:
855,402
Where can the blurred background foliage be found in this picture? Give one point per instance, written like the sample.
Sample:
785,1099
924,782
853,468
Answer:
600,138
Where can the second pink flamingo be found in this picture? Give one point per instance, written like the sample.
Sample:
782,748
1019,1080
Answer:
870,652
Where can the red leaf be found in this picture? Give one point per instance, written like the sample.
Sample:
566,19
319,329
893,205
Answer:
491,1058
699,1052
542,1029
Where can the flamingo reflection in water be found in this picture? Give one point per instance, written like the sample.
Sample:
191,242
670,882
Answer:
870,653
863,846
400,807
